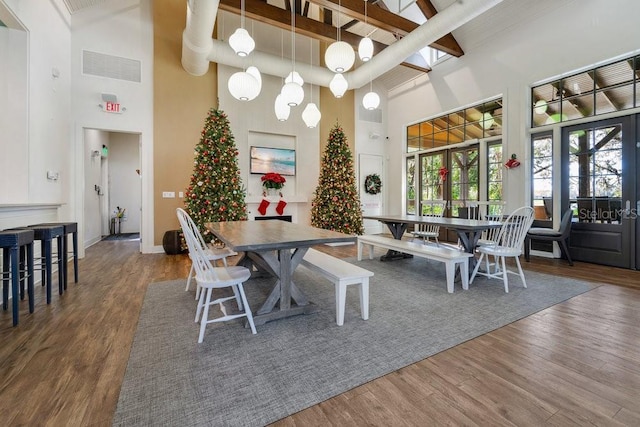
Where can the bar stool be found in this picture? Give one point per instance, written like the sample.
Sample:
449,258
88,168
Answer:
12,241
69,228
45,234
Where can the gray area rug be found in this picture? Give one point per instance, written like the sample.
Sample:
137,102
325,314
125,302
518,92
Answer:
238,379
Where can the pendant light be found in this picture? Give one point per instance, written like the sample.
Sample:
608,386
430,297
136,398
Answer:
365,47
244,86
280,106
339,56
292,92
487,121
311,114
371,100
338,85
240,41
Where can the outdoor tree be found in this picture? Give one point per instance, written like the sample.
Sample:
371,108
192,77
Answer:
215,192
336,202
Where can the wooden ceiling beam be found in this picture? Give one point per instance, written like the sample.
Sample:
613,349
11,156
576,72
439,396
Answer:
447,43
272,15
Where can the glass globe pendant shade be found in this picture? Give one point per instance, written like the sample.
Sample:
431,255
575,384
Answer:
371,101
311,115
365,49
292,93
339,57
338,85
241,42
487,121
281,108
243,86
295,77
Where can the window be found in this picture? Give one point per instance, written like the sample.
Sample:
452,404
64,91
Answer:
432,187
463,177
605,89
480,121
494,174
542,175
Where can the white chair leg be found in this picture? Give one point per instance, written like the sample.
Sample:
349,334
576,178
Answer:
238,298
475,270
364,298
205,315
341,296
247,309
200,304
450,268
505,279
524,282
464,273
189,278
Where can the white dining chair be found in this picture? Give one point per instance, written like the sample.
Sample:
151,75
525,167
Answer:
209,277
509,244
430,208
213,254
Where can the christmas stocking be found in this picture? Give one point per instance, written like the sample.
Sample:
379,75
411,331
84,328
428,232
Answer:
264,204
280,207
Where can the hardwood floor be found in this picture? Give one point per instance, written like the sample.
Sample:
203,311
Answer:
577,363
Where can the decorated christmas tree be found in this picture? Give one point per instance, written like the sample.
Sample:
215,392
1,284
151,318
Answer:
216,192
336,203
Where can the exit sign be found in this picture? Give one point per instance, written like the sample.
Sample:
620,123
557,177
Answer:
111,107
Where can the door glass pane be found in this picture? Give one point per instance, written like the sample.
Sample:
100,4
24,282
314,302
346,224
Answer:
463,175
430,184
595,174
542,176
411,188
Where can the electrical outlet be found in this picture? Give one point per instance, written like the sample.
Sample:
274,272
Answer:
181,194
168,194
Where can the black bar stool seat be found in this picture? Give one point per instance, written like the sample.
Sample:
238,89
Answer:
12,241
69,228
45,234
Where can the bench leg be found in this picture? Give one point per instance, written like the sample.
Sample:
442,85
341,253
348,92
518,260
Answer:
341,296
451,273
364,298
464,273
360,245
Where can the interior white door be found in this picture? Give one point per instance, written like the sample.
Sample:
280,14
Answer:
371,204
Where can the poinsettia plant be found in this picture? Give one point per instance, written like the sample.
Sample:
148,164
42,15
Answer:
273,180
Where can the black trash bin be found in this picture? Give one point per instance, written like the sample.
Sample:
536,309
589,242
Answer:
172,242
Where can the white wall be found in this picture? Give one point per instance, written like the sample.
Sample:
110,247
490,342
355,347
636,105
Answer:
122,28
573,36
249,119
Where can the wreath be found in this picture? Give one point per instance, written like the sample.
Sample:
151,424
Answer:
372,184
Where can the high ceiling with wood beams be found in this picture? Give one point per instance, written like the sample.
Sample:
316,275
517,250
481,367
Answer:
322,19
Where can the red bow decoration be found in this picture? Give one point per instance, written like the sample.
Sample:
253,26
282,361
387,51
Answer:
443,173
513,162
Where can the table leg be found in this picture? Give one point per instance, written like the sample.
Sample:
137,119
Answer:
469,240
285,290
397,230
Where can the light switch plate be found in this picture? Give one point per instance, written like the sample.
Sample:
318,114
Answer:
168,194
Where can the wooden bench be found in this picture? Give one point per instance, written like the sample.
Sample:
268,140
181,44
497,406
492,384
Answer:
450,257
342,274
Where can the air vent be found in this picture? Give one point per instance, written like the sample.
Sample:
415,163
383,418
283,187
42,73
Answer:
113,67
374,116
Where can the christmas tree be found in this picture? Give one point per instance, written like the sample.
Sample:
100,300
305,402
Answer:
336,203
216,192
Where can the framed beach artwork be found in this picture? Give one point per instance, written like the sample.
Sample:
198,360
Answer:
267,159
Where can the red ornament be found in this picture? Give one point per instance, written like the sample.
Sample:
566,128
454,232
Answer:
443,173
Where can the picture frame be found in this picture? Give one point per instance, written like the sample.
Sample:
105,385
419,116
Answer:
270,159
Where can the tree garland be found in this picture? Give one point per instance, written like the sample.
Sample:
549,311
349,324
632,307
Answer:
372,184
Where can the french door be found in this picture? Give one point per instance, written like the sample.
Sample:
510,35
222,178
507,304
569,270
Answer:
599,176
451,175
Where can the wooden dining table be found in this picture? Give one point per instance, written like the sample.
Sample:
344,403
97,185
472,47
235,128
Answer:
468,230
276,247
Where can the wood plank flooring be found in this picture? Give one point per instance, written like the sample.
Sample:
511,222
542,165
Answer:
577,363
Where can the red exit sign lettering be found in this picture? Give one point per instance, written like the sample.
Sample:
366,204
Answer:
112,107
